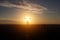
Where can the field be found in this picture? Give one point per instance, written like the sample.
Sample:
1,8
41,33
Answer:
35,32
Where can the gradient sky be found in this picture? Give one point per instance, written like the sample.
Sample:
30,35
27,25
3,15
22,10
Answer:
45,11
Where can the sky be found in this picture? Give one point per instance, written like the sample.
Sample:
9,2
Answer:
41,11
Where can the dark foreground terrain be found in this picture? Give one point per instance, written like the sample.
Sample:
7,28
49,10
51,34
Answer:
38,32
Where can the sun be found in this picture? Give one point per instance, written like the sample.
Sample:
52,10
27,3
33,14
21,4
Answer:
27,19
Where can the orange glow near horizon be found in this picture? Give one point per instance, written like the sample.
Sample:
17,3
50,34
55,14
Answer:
26,19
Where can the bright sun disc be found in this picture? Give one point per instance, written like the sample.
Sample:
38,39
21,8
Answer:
27,19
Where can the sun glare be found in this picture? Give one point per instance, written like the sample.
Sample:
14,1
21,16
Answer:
27,19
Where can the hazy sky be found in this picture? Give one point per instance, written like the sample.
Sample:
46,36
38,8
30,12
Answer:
45,11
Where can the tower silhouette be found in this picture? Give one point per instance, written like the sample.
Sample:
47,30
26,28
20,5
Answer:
27,22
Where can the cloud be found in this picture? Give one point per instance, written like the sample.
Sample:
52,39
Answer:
30,7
